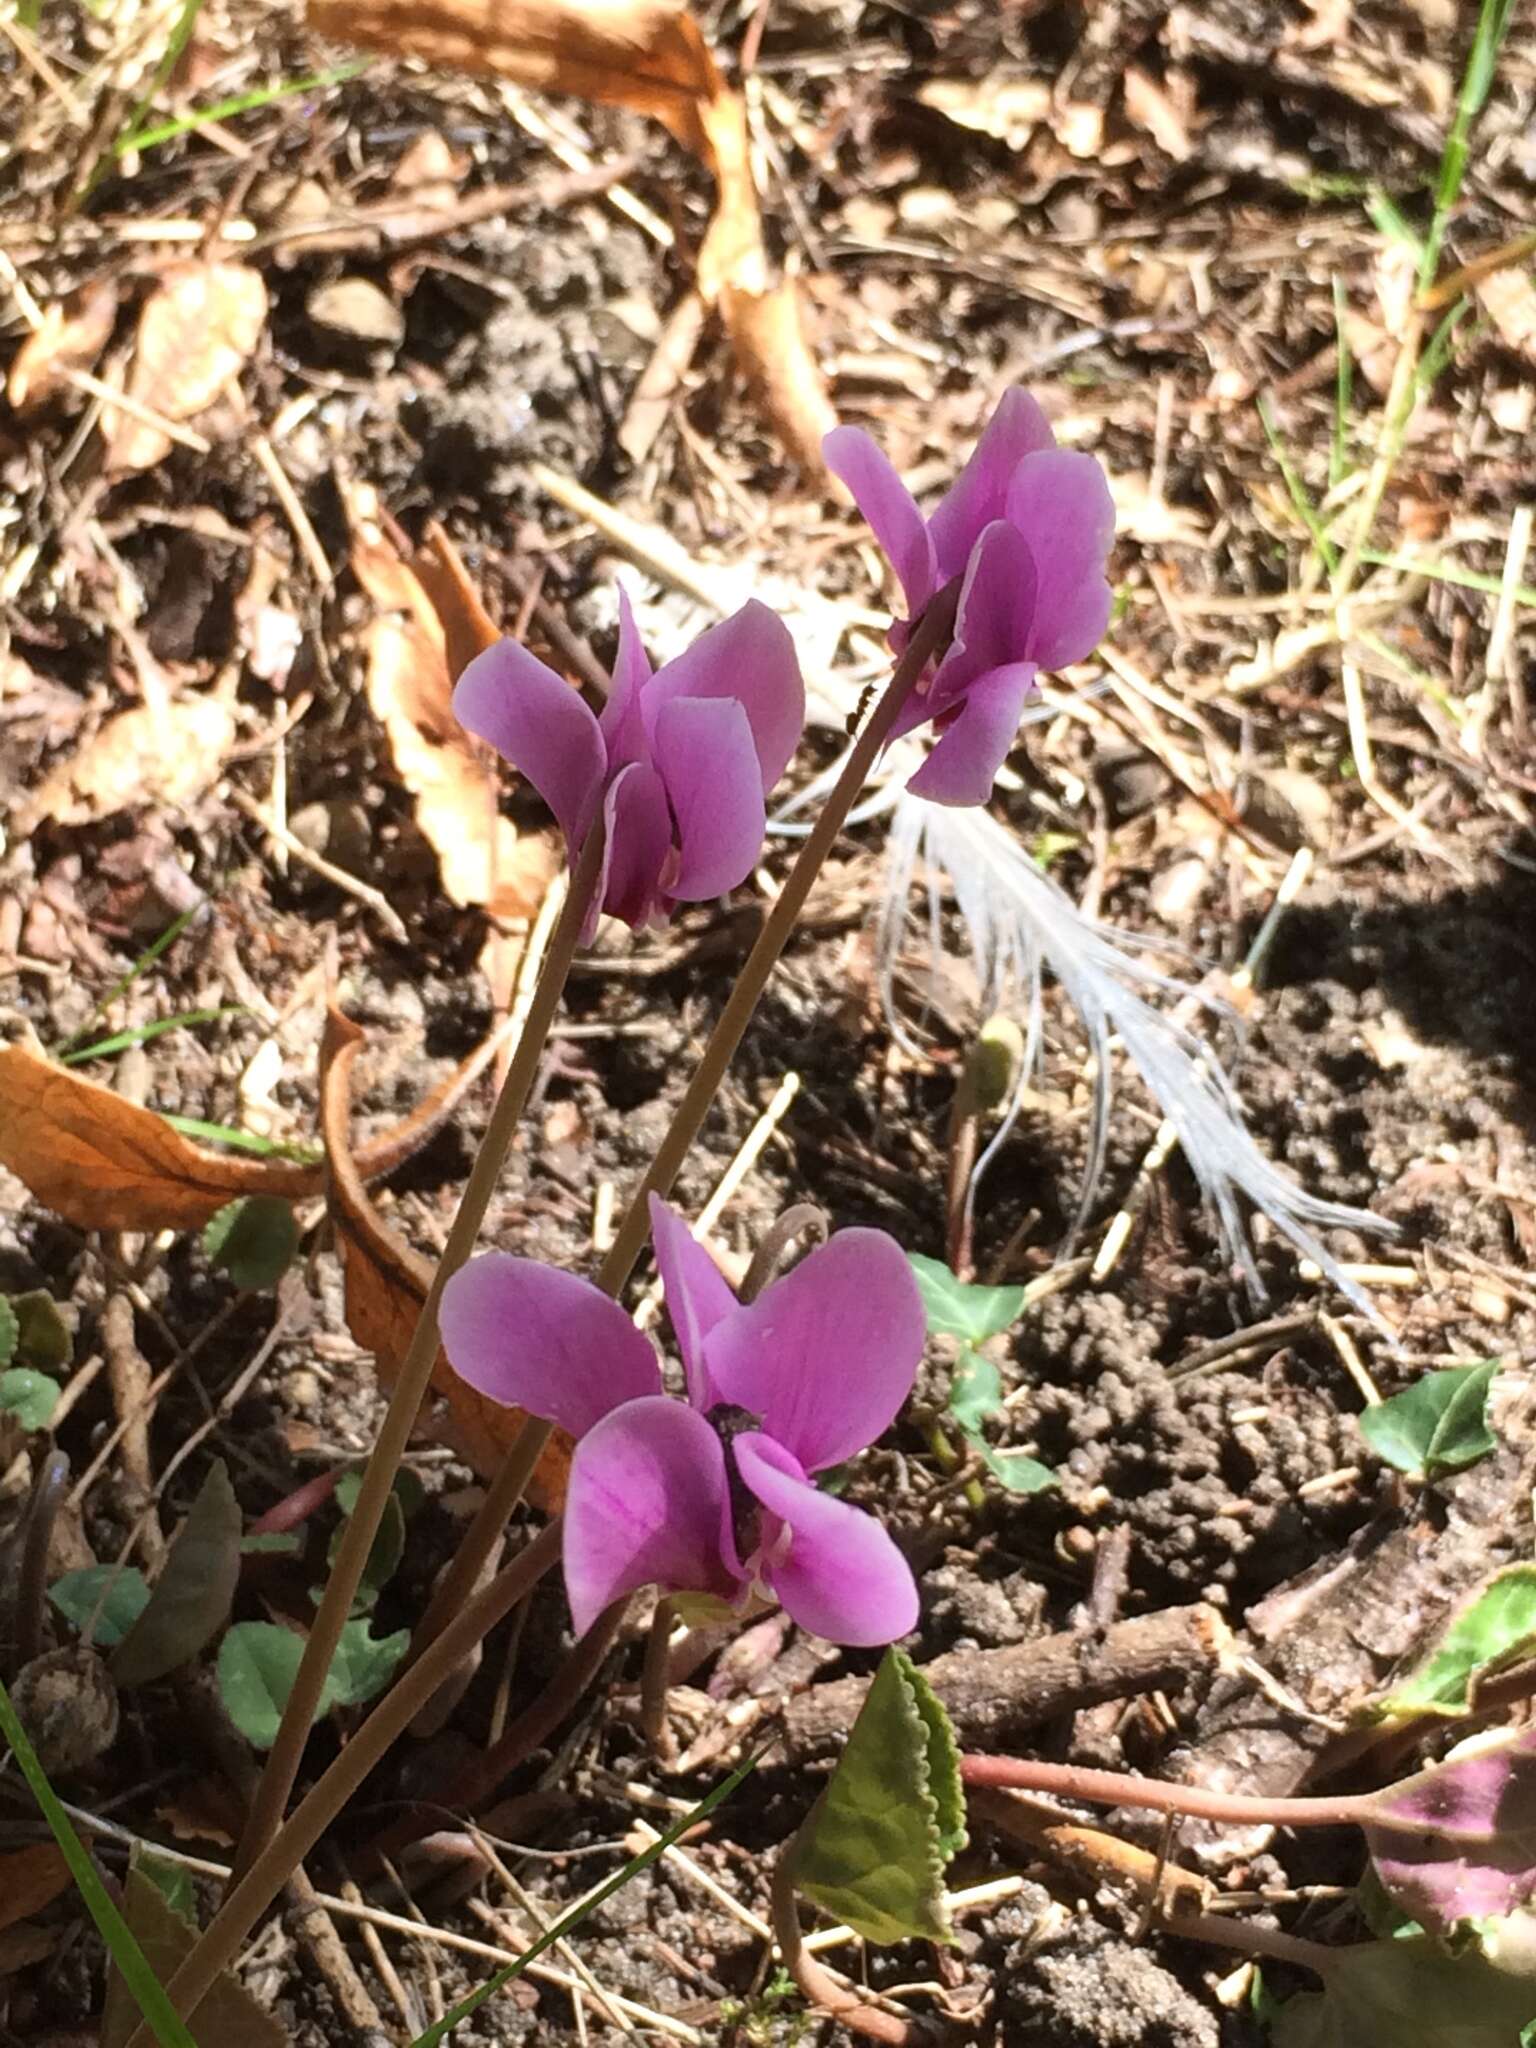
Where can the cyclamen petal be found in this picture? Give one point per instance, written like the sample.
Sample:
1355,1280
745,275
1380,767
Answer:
840,1575
636,848
532,1337
890,509
963,764
698,1296
826,1355
978,495
750,659
1060,502
646,1506
709,767
539,724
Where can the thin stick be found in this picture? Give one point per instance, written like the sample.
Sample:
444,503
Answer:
415,1375
251,1894
1154,1795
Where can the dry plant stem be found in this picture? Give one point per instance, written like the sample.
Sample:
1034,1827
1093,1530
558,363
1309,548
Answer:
1193,1802
251,1894
817,1985
932,631
47,1497
416,1373
653,1683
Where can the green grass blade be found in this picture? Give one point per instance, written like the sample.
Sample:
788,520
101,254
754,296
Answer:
440,2029
1447,572
1437,352
149,1993
141,1034
1476,84
1306,511
1343,389
238,103
147,958
244,1141
170,56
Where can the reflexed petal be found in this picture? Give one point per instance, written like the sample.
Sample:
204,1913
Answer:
827,1355
1061,504
751,658
621,723
889,507
537,722
995,618
977,496
704,754
645,1506
536,1338
843,1577
973,745
698,1295
639,841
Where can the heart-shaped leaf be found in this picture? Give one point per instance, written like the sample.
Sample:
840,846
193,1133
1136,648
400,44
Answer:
1495,1627
103,1601
955,1309
874,1849
1437,1425
1458,1841
30,1396
258,1663
43,1338
1407,1994
253,1239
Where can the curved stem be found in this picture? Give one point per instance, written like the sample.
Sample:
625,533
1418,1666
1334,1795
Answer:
932,630
411,1387
255,1891
47,1498
653,1683
543,1715
1193,1802
818,1984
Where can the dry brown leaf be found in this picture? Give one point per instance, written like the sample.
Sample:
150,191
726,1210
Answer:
481,856
73,333
386,1282
1509,299
228,2014
1156,110
29,1880
105,1164
650,56
159,753
197,329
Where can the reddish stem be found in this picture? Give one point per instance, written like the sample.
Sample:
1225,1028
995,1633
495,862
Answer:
1193,1802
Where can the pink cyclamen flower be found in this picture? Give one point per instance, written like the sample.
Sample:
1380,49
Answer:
679,762
1028,527
712,1494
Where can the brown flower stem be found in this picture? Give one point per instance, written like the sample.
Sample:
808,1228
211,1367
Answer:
411,1387
816,1984
932,630
1193,1802
653,1683
269,1872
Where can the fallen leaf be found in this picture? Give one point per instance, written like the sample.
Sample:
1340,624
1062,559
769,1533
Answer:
105,1164
73,333
229,2014
197,329
386,1282
652,57
468,628
481,856
29,1880
194,1592
22,1946
166,752
1152,107
1509,299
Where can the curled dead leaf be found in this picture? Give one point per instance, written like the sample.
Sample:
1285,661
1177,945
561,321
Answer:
73,333
413,647
197,329
652,57
386,1282
166,752
29,1880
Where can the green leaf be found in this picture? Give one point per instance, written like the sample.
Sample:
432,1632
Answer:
1014,1471
173,1881
192,1597
30,1396
102,1601
10,1331
388,1545
1495,1627
363,1664
253,1239
976,1391
874,1848
272,1543
258,1663
1408,1994
957,1310
148,1993
1439,1424
43,1339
